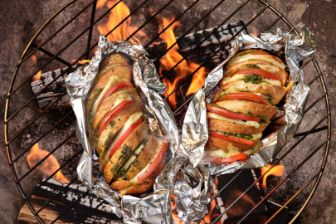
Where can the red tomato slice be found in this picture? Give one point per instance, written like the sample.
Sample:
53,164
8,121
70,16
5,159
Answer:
155,165
232,138
232,115
244,96
256,71
115,88
117,143
230,159
110,115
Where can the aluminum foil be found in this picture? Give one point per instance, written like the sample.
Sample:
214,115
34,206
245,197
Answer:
131,209
297,47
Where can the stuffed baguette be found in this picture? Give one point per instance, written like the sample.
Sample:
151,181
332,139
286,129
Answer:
255,81
130,156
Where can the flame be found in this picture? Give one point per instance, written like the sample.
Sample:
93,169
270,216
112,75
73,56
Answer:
183,69
116,16
34,59
49,166
37,76
84,61
277,170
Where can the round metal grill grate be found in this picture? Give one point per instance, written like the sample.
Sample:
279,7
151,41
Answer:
61,41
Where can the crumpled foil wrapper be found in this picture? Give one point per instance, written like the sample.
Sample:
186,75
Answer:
297,47
131,209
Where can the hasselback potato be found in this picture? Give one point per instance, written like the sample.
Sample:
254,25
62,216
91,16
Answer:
130,155
254,82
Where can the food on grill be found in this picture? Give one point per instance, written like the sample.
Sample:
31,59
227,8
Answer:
130,156
245,102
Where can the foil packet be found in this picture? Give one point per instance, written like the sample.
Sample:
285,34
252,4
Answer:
297,46
131,209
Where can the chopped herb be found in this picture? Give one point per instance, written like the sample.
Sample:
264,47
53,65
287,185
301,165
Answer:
262,119
255,79
249,113
252,66
248,137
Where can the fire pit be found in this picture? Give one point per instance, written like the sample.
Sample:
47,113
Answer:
44,143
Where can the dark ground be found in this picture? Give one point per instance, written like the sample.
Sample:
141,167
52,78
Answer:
19,19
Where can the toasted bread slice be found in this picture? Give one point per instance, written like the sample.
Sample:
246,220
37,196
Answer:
225,145
230,126
127,187
276,93
112,101
252,55
258,64
263,111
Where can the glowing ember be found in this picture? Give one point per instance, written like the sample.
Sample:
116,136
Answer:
183,69
37,76
118,14
83,62
277,170
48,166
34,59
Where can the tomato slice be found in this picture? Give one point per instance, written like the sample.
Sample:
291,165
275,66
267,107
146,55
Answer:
117,143
244,96
155,165
232,115
110,115
232,138
256,71
230,159
115,88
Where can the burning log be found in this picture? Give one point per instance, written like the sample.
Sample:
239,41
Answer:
63,197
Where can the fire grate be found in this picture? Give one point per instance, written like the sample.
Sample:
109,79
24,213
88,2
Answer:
59,41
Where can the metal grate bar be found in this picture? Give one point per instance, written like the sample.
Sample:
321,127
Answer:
191,29
228,183
47,156
314,103
41,137
204,39
259,179
307,183
179,109
171,23
46,52
311,131
47,203
282,181
58,53
64,48
35,118
93,15
61,167
55,33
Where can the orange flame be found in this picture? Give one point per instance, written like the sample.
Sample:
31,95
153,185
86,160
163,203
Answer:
37,76
47,167
84,61
277,170
117,15
34,59
183,69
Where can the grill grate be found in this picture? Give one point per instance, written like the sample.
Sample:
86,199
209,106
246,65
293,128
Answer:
14,112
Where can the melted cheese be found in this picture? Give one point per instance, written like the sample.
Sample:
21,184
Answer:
266,58
238,76
246,123
133,118
110,82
